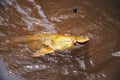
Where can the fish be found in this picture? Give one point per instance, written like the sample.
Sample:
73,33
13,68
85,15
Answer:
49,43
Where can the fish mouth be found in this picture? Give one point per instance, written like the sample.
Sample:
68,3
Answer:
80,43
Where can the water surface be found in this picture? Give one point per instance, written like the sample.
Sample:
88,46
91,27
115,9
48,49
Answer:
99,20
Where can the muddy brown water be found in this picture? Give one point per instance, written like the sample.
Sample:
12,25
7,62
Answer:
97,19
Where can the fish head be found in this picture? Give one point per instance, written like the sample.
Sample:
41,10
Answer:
61,43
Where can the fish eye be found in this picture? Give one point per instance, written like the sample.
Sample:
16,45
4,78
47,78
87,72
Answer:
52,40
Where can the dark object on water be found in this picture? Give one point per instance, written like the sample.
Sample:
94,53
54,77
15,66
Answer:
75,10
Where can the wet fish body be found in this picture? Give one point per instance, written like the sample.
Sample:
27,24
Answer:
49,43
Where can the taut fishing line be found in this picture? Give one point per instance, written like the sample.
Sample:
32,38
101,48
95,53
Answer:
75,10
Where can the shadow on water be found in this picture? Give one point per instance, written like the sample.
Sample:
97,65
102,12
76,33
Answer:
98,60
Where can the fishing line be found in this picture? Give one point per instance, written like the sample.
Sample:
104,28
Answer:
75,10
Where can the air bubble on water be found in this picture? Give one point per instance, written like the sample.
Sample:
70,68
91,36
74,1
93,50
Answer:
74,71
55,19
103,75
9,72
28,67
90,35
36,66
31,0
91,62
66,72
116,54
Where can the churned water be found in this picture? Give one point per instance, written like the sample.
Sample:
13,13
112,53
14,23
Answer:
97,19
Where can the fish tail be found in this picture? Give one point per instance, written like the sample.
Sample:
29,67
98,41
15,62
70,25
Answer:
24,39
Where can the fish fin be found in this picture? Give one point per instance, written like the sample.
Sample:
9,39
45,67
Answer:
43,51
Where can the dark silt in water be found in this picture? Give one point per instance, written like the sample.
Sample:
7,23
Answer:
97,19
